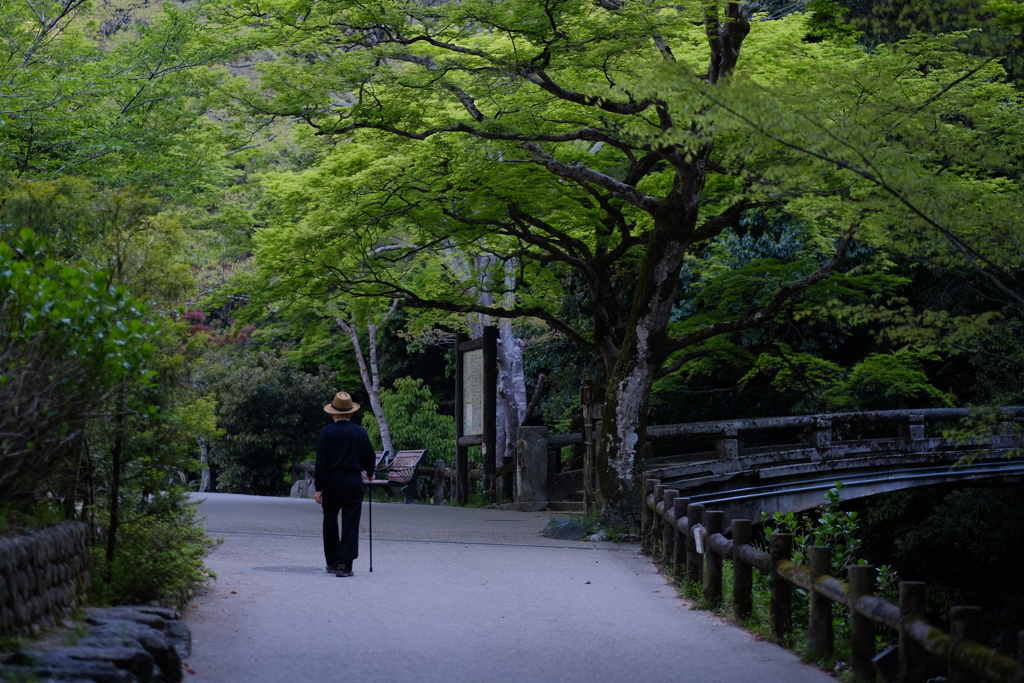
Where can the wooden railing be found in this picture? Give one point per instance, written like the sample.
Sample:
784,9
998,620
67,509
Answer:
692,543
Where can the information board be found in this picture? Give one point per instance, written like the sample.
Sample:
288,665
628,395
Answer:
473,392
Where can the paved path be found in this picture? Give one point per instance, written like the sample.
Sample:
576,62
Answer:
456,594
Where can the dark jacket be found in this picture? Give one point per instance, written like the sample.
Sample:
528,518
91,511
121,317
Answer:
343,447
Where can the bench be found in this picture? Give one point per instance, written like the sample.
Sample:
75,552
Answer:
403,471
379,458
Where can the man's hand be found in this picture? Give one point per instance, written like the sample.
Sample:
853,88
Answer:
318,497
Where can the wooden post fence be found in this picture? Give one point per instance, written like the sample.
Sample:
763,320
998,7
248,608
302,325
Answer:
713,558
742,572
820,634
694,562
667,526
862,628
679,539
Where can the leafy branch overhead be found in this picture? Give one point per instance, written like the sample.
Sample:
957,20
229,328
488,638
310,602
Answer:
560,166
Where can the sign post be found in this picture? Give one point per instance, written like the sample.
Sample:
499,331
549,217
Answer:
476,393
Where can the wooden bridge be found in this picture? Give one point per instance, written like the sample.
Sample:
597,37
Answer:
743,479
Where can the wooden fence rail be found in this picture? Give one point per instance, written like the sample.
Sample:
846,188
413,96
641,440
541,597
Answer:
692,541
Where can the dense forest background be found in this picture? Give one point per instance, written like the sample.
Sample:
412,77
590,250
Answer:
210,222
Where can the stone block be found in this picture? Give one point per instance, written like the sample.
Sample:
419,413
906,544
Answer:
139,663
102,615
565,529
166,613
94,673
179,635
304,488
21,613
7,620
163,649
531,468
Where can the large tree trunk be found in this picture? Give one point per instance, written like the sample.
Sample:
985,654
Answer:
511,386
645,348
645,345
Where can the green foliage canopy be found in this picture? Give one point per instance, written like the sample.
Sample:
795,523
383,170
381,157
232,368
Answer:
122,108
270,412
67,338
414,421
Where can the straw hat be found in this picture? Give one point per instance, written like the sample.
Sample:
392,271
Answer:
342,404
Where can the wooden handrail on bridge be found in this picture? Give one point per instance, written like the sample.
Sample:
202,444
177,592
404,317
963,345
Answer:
673,530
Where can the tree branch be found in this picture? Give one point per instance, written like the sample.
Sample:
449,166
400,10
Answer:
544,82
581,173
770,309
714,226
972,256
663,48
538,394
467,102
681,361
412,299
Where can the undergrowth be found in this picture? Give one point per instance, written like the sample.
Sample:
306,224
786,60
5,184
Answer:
159,558
16,519
830,526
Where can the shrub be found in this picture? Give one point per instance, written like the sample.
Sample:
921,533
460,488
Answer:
159,557
66,338
414,420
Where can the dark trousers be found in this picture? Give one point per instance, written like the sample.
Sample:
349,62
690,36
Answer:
344,493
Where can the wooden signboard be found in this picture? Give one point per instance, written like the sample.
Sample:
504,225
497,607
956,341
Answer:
476,393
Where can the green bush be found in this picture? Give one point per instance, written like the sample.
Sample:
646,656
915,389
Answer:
67,337
414,420
832,527
158,558
270,413
29,517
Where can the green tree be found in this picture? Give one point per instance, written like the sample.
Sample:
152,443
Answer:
928,144
141,452
127,109
102,129
68,338
415,423
270,412
539,133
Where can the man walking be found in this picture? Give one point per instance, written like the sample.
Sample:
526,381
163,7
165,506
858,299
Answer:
343,450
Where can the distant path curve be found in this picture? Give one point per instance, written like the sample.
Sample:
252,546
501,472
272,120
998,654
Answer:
456,594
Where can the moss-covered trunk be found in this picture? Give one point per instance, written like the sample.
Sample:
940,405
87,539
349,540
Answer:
644,349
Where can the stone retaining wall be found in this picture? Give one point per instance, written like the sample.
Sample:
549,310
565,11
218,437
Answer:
42,576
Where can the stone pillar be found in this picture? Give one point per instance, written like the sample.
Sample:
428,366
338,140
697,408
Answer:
531,469
913,428
821,438
727,447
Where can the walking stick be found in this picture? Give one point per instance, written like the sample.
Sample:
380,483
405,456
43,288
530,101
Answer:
371,526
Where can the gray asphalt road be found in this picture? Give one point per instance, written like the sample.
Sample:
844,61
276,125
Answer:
456,594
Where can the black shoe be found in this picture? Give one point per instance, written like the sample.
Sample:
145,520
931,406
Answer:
344,570
332,568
